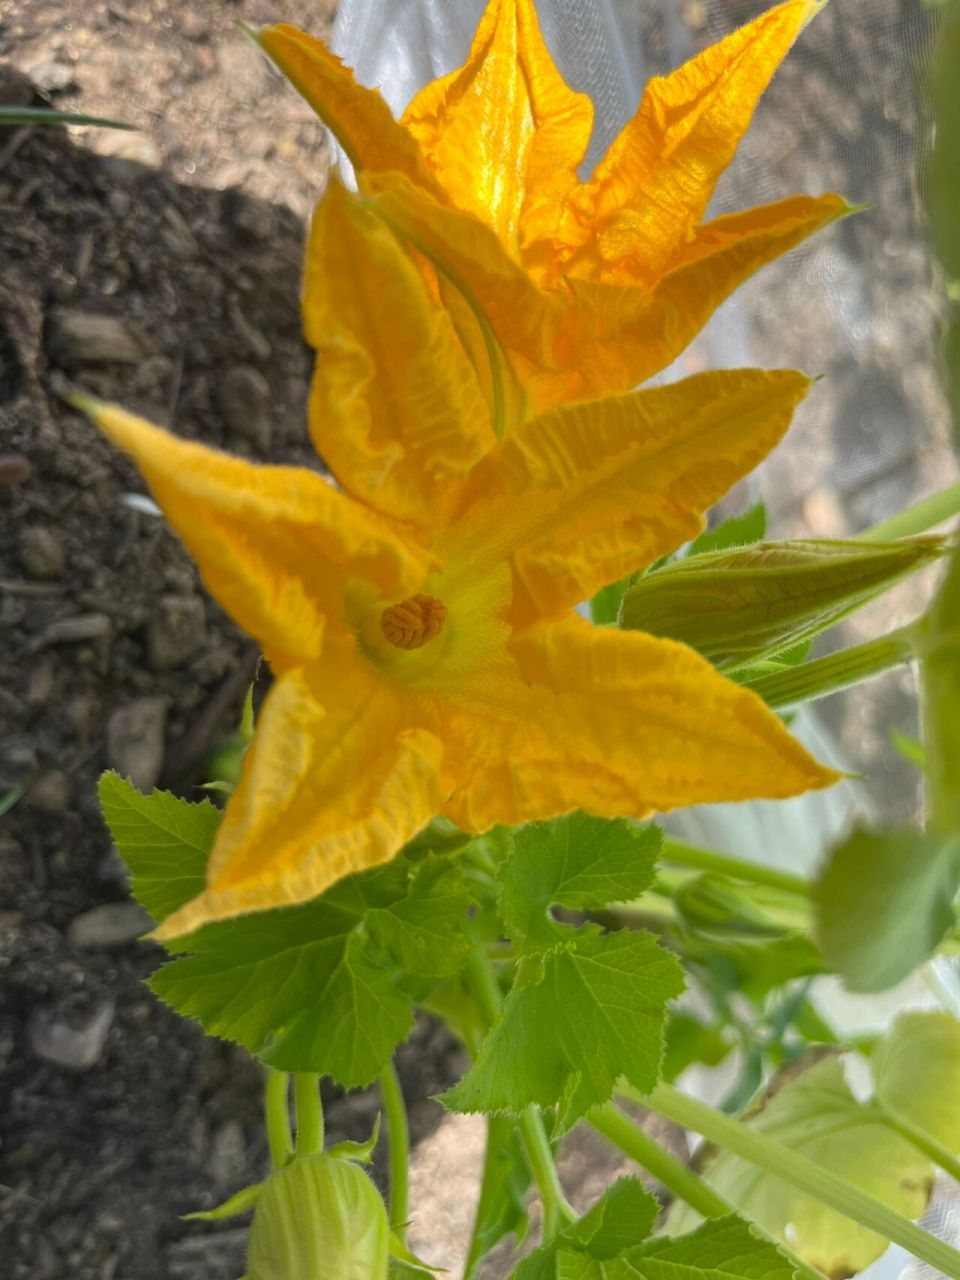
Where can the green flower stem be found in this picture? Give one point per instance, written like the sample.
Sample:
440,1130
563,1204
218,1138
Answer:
681,854
922,1140
630,1138
923,515
635,1142
556,1210
398,1132
837,671
306,1091
277,1112
804,1174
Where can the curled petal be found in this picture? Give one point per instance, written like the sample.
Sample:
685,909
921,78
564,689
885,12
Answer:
358,118
652,187
396,410
275,545
504,134
338,778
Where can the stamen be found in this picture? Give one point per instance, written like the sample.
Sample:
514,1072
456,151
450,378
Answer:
413,622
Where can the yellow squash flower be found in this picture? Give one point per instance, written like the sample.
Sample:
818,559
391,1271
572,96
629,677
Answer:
568,289
420,620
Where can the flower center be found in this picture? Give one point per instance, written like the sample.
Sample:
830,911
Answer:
411,623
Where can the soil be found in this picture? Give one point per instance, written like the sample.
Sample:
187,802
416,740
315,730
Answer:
180,302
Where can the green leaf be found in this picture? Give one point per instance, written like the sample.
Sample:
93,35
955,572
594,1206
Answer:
501,1208
741,606
165,841
883,904
578,1017
577,862
810,1110
621,1219
723,1249
327,987
917,1072
738,531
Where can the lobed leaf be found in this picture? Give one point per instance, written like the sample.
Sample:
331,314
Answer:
165,842
327,987
578,862
578,1017
724,1249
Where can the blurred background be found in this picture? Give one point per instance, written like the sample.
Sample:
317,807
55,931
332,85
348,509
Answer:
159,268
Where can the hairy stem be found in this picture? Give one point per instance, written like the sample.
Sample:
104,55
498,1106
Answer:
398,1132
277,1113
836,672
824,1185
306,1091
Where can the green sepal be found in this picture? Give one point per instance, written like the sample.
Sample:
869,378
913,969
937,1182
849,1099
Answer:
751,604
244,1200
407,1263
362,1151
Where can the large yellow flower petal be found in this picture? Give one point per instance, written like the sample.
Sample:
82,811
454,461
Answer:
619,335
504,134
339,776
358,118
275,545
652,187
619,724
600,489
396,411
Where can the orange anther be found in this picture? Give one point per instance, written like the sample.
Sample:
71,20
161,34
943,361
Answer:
413,622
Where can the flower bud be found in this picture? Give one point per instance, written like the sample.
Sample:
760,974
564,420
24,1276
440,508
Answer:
740,606
318,1218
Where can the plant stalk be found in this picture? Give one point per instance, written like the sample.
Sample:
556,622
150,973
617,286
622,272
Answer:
557,1212
630,1138
306,1092
918,518
681,854
276,1108
837,671
827,1187
398,1132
